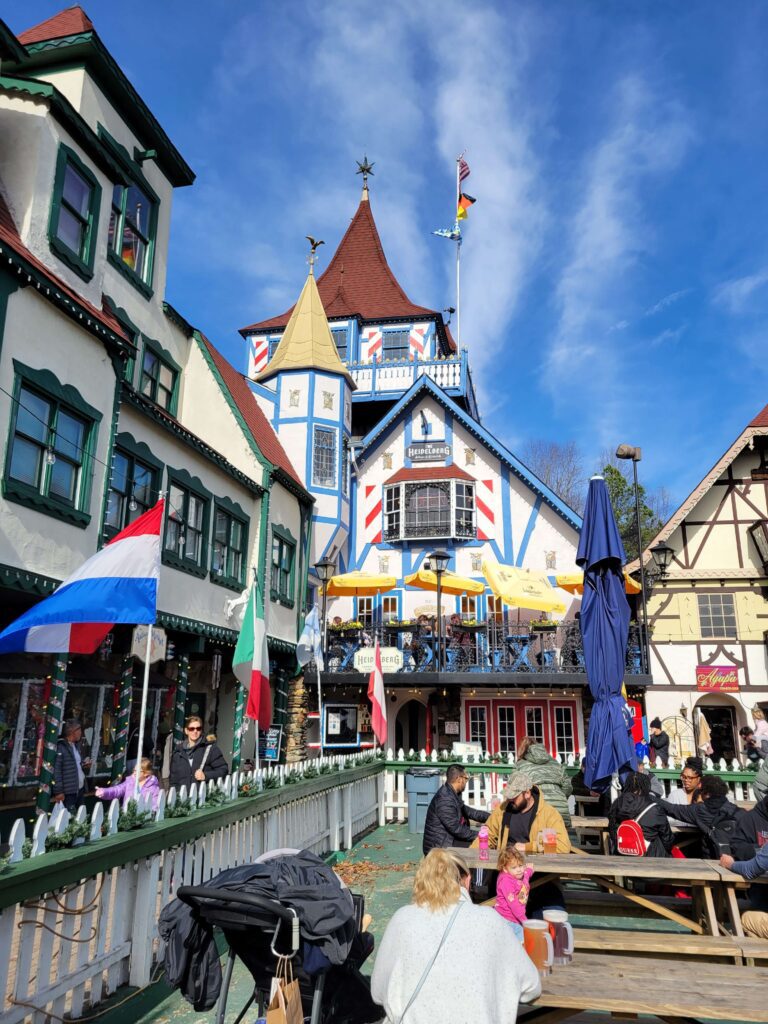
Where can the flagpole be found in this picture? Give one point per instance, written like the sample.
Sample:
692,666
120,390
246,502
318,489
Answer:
143,712
458,252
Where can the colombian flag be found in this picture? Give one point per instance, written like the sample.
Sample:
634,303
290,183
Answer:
465,202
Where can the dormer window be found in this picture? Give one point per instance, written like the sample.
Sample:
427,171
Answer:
396,345
74,213
132,231
339,335
427,509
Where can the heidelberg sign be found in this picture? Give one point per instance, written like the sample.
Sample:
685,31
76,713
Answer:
428,451
717,678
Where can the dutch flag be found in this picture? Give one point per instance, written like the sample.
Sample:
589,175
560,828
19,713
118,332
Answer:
118,584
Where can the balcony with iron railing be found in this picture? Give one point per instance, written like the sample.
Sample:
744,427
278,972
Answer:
479,648
391,378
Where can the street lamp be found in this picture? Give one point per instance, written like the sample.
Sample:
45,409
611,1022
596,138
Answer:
324,570
628,452
438,561
662,556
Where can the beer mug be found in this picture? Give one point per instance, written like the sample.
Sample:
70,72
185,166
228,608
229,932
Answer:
562,936
549,840
538,945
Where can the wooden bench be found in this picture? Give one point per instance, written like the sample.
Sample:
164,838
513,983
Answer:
672,944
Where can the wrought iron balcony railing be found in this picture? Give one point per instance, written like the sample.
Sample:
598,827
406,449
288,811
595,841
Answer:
466,647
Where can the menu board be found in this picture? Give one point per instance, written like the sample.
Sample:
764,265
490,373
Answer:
270,742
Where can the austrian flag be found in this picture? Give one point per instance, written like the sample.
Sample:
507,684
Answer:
377,699
251,660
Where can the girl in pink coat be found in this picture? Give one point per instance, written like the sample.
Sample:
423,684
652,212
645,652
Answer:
126,790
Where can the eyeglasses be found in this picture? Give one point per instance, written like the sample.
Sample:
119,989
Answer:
194,728
689,778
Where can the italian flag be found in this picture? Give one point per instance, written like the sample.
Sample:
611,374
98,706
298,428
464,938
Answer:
377,699
251,660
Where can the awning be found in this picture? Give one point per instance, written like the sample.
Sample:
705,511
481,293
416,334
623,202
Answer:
523,588
573,582
360,584
450,583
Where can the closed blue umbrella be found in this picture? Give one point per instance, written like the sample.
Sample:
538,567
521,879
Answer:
604,628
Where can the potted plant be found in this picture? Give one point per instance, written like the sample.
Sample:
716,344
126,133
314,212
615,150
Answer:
543,626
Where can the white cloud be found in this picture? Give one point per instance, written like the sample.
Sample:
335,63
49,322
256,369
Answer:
667,301
608,235
734,294
668,337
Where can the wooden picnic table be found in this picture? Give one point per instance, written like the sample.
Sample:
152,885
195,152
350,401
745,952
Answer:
670,990
705,877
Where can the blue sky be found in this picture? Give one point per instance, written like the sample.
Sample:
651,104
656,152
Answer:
615,266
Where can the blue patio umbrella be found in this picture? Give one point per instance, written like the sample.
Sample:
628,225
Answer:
604,628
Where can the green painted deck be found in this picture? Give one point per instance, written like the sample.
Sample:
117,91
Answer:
381,866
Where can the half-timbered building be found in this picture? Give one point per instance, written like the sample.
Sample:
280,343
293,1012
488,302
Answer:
709,614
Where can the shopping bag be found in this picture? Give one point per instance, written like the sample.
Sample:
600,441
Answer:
285,1005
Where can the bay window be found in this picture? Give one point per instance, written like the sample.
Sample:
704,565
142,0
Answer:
428,509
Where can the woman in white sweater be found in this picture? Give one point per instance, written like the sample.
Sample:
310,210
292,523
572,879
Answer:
444,959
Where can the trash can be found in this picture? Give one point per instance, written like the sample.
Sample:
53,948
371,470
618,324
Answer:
421,784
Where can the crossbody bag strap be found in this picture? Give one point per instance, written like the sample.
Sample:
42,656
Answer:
644,811
429,966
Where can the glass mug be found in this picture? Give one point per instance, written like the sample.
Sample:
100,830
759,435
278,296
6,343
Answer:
562,936
549,840
538,945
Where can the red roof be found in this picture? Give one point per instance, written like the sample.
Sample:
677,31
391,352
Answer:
70,22
761,420
258,424
10,237
429,473
358,281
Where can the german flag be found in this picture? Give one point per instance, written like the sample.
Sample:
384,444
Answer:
465,202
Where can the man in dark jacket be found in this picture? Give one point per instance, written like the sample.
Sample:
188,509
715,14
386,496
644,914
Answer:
635,800
447,822
196,760
659,744
752,832
69,768
714,816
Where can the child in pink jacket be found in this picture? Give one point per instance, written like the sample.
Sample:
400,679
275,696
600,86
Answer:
126,790
512,888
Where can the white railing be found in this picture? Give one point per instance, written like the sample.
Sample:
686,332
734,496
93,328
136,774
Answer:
488,776
399,376
74,927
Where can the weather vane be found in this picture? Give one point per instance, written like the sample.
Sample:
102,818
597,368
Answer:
365,169
314,245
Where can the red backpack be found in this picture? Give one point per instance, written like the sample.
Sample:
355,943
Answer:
630,840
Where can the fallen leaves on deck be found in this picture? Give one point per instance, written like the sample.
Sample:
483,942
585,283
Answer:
362,872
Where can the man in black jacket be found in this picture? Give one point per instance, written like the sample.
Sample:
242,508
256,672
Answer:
714,816
69,768
447,822
658,744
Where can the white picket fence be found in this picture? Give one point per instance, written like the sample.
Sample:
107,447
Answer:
65,951
488,778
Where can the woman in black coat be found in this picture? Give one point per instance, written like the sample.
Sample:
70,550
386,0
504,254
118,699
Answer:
634,800
196,760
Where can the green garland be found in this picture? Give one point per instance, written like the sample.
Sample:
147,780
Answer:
132,818
181,809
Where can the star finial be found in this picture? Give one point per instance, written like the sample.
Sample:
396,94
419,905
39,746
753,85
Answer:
365,169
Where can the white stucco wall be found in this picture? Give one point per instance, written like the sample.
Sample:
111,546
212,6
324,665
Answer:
40,337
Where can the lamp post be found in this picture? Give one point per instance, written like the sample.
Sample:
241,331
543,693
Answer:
438,561
662,555
628,452
324,570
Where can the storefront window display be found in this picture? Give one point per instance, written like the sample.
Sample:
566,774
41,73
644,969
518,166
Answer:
30,729
10,699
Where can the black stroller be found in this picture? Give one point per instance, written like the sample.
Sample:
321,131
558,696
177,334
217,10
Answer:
258,931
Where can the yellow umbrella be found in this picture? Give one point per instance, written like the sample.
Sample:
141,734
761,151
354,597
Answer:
450,583
573,582
360,584
523,588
